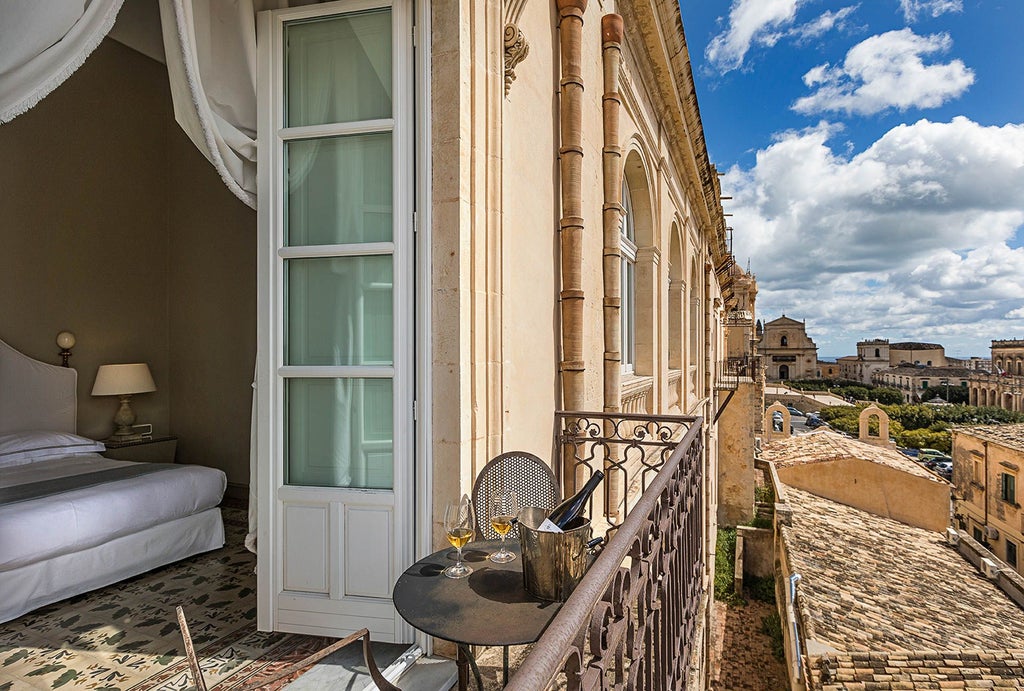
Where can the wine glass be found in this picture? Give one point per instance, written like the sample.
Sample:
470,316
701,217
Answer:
458,526
502,509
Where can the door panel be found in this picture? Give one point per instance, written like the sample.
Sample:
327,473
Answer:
306,548
367,569
337,313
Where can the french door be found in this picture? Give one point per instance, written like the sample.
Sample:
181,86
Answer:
335,379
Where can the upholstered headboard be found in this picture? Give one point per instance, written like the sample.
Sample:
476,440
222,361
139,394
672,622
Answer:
35,395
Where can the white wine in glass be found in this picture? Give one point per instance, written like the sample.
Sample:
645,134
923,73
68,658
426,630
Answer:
459,523
502,509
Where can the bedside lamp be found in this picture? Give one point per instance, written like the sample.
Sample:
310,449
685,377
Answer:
123,381
66,341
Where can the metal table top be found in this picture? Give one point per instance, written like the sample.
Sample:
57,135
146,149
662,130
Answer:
489,607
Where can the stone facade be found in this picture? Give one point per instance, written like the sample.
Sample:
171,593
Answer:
872,356
912,381
987,463
787,350
526,185
741,395
1003,385
912,353
499,299
829,370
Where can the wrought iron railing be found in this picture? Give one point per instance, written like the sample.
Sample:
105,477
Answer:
629,448
634,619
731,370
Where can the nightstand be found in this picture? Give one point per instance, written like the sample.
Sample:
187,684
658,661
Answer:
149,449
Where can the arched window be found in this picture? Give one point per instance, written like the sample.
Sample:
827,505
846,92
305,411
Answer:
627,243
878,353
785,340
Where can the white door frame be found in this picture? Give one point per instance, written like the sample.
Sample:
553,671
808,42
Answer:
417,540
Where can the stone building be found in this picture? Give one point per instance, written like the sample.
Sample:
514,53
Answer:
913,353
912,381
872,356
829,370
987,463
787,350
1003,385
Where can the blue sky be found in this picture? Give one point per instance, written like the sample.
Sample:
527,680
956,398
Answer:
874,151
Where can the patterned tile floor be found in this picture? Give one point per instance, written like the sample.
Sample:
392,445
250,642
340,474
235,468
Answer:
125,637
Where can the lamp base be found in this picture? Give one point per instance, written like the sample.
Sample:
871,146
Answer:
124,418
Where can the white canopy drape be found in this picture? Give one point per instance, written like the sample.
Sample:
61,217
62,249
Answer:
211,61
43,43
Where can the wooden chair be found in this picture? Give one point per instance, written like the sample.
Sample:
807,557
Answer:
526,474
200,683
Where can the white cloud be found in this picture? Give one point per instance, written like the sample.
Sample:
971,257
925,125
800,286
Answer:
764,23
751,22
824,23
912,9
912,239
886,71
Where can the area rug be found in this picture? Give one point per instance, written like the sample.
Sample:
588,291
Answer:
125,637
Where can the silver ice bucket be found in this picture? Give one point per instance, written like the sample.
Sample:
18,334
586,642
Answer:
553,563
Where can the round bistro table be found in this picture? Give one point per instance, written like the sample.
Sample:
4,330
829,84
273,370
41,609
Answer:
488,607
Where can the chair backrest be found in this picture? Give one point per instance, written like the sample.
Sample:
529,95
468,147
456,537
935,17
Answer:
526,474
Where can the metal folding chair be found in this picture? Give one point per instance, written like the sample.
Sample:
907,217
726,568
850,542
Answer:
200,683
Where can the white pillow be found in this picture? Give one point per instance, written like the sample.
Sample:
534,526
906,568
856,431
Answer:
29,447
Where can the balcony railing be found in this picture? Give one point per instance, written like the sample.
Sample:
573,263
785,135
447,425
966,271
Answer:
632,623
731,370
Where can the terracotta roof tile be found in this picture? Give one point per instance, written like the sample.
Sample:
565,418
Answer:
1011,436
825,445
903,609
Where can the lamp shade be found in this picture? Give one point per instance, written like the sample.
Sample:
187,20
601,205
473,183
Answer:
117,380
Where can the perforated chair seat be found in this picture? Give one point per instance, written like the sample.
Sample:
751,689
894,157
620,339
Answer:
526,474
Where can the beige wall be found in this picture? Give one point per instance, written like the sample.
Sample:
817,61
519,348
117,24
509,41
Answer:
116,228
496,271
875,488
977,466
736,454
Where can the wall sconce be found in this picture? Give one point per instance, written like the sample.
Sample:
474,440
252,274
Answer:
123,381
66,341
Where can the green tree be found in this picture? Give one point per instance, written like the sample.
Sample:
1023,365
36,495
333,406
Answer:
887,396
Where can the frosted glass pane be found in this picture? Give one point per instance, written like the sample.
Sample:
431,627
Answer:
338,69
339,190
339,433
339,311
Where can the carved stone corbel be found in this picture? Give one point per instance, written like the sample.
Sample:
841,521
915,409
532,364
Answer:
516,50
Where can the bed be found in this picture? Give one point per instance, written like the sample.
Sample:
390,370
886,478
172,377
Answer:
70,519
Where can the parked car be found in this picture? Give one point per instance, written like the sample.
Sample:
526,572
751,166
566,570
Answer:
912,453
929,453
935,462
796,412
814,422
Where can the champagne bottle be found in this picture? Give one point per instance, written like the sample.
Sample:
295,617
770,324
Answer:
571,508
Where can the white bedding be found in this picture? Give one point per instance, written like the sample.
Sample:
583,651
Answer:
80,519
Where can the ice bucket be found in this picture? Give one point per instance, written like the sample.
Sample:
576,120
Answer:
553,563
